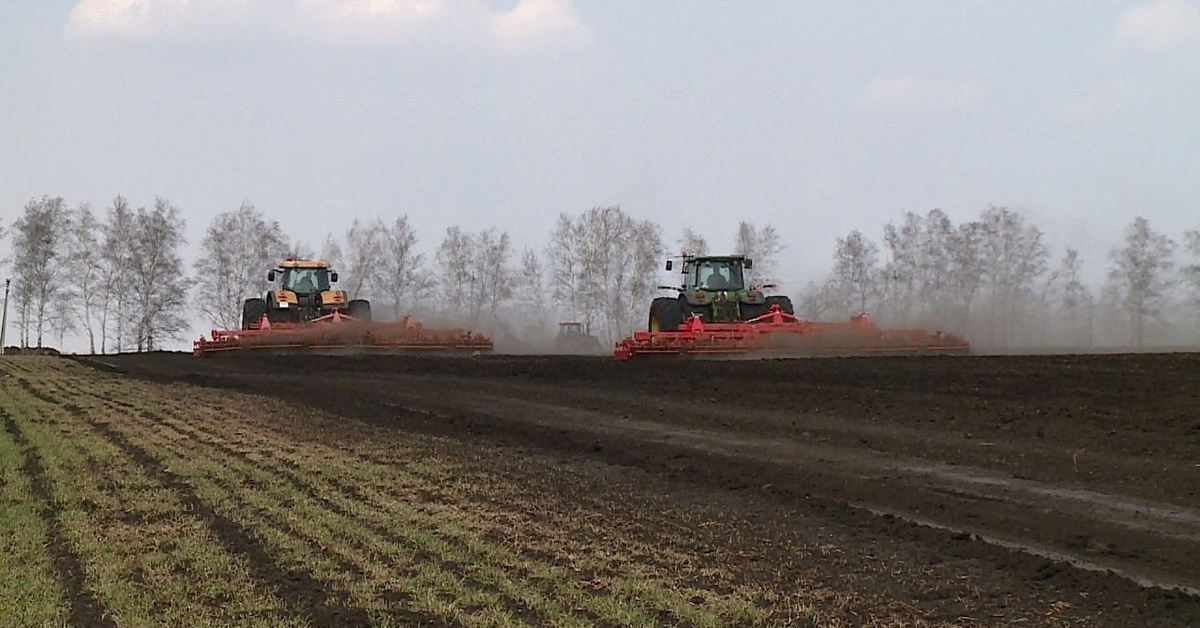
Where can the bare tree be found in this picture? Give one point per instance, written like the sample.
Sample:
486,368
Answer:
116,275
855,268
40,260
87,271
237,251
1139,275
1014,257
362,257
966,269
604,265
401,275
157,273
530,295
460,289
1075,302
646,250
692,243
493,267
946,258
903,270
821,299
763,246
567,281
1191,278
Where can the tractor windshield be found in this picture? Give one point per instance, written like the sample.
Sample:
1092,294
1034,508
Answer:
714,274
306,280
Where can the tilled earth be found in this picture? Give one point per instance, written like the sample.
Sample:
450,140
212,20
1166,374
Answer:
981,490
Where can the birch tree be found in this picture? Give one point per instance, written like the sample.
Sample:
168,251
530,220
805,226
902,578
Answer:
1075,302
400,274
947,258
567,278
530,286
116,275
1191,276
903,270
1014,257
87,271
493,267
40,262
646,250
855,268
692,243
238,249
459,287
1139,275
966,269
362,257
604,266
761,245
157,273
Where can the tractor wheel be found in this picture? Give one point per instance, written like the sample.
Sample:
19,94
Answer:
253,310
666,314
360,310
784,303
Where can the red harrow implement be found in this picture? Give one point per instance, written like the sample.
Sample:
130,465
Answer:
780,334
339,333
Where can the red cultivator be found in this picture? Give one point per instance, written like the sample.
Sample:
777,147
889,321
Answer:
781,334
338,333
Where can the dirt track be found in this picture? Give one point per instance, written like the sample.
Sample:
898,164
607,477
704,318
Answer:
1038,482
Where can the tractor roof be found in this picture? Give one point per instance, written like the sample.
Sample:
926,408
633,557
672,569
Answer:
699,258
303,263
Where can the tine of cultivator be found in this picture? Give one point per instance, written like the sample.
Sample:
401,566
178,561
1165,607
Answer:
338,333
778,334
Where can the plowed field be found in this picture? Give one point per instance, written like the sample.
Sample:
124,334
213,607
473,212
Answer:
538,490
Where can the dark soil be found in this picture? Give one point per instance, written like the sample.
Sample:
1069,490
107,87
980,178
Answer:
1030,479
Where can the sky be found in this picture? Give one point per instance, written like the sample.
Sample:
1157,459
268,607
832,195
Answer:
816,117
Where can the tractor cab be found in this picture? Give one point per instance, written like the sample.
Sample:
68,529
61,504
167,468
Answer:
571,329
724,273
307,281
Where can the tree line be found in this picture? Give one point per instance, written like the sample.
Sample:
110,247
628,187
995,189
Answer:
997,280
118,277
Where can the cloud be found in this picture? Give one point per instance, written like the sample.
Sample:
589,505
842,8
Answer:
529,23
1160,24
914,94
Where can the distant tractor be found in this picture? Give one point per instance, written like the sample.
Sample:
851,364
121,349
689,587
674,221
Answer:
304,293
574,337
714,289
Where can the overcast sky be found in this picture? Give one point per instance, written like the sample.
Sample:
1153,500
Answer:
817,116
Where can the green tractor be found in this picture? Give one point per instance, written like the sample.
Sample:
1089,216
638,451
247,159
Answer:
714,288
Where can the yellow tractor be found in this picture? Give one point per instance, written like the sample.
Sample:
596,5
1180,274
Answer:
303,292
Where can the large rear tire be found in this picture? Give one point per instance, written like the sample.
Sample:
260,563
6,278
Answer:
666,314
360,310
253,310
784,303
